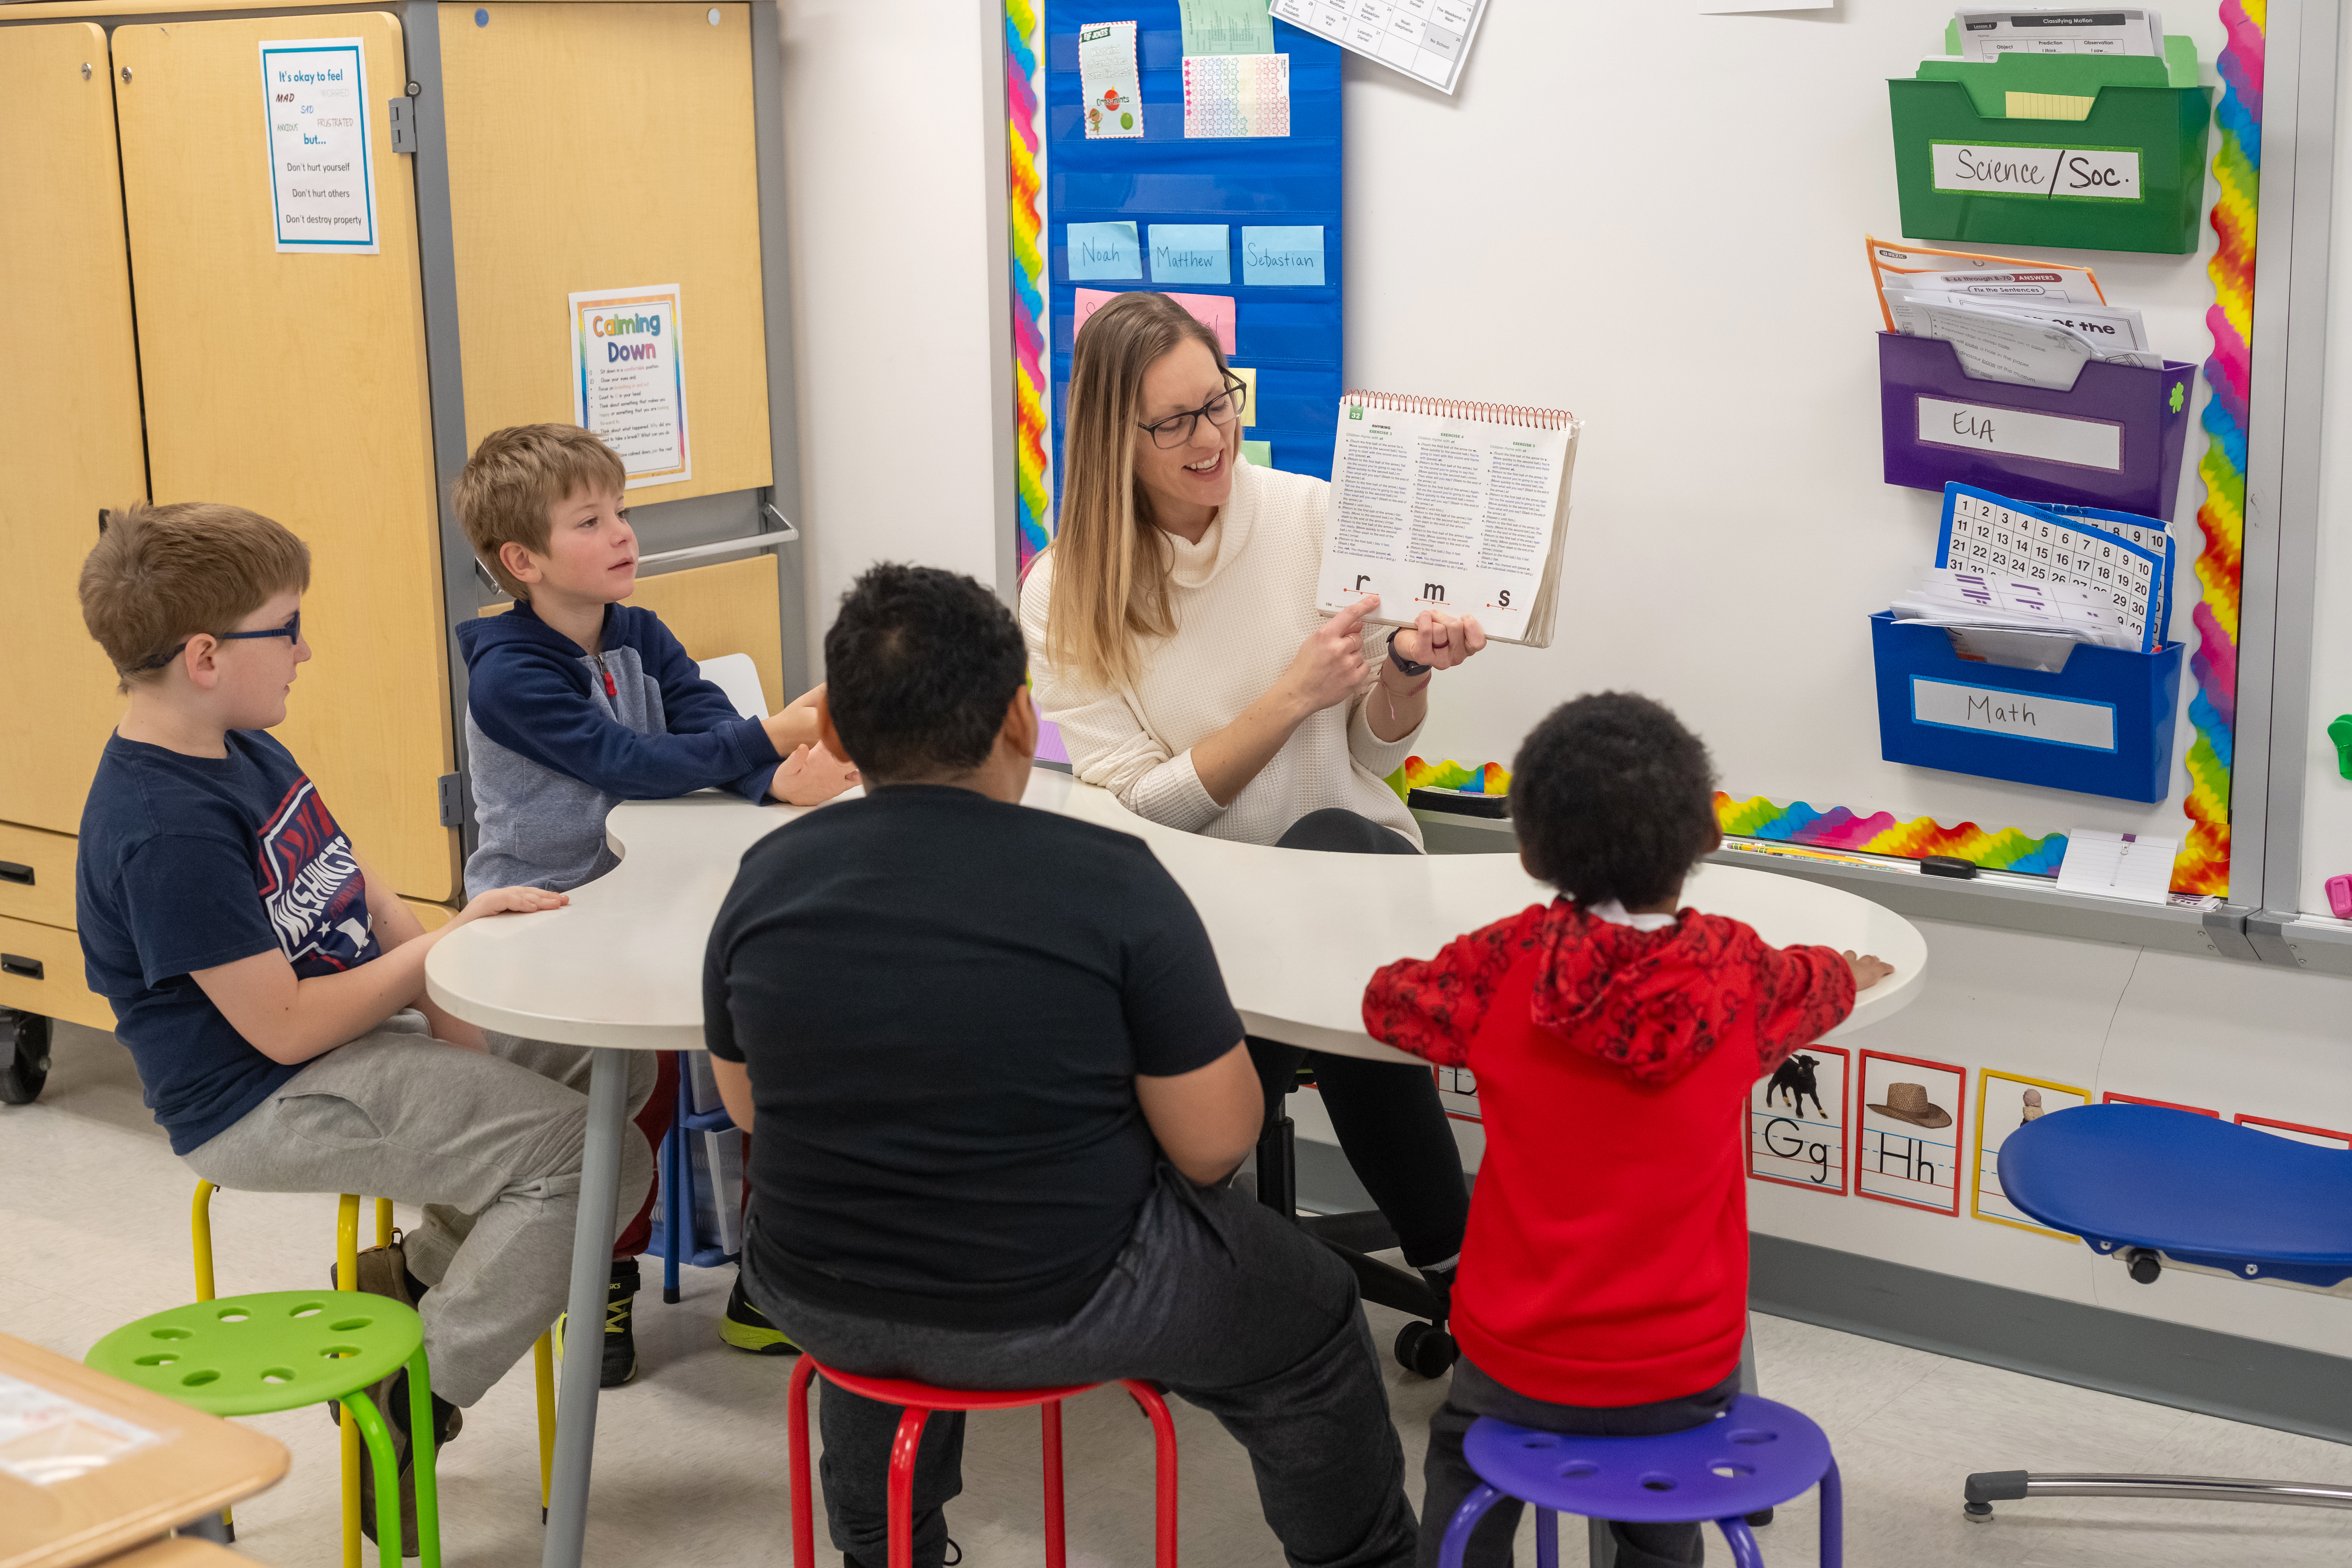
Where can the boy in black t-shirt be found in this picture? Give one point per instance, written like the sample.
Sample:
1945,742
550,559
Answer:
271,988
998,1087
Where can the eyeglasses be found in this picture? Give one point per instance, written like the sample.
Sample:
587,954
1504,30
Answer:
291,631
1220,410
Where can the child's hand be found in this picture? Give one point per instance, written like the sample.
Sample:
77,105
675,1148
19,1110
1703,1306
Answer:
508,901
811,776
1868,970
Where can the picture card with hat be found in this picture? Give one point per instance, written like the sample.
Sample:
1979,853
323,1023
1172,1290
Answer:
2318,1136
1797,1121
2006,1102
1910,1134
2112,1097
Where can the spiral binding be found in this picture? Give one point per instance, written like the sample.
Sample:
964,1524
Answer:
1482,412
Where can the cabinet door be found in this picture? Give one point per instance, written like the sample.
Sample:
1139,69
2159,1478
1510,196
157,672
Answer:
68,407
294,383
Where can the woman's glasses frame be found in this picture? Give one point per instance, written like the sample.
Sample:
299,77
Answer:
1177,429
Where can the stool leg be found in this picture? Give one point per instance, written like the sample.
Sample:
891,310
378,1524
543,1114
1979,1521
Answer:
1163,1469
362,1417
677,1179
1833,1519
903,1449
424,1459
383,1221
797,1433
1546,1539
1599,1544
200,1238
347,1278
1465,1520
1742,1542
542,1374
1049,1420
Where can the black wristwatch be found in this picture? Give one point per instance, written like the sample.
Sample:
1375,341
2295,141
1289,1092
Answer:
1410,668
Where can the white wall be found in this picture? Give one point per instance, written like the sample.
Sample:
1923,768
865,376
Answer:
893,318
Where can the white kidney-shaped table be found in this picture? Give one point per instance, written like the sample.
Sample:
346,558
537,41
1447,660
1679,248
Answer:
1296,932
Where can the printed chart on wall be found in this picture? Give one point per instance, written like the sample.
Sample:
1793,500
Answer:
1797,1121
628,379
2006,1102
322,181
1427,40
1908,1149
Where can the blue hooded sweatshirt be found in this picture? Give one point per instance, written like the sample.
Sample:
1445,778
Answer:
556,736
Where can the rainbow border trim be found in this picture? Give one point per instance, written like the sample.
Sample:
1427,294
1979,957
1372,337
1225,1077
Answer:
2001,849
1023,103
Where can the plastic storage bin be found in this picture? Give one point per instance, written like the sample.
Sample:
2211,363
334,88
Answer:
2102,725
1979,156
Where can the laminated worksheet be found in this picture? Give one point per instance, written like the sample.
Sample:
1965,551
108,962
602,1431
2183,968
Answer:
1988,534
1452,506
1426,39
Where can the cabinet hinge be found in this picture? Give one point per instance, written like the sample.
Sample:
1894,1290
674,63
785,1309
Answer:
453,802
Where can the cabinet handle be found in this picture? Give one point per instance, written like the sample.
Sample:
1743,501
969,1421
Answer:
10,871
29,968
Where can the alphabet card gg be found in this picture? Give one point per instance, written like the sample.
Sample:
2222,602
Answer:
2006,1102
1797,1121
1908,1147
1458,506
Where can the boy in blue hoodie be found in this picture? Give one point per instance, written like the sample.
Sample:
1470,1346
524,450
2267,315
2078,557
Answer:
576,702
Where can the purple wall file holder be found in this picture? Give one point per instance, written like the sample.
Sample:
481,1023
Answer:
2114,439
1936,710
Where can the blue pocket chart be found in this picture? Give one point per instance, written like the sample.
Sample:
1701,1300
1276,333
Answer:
1105,250
1192,253
1289,257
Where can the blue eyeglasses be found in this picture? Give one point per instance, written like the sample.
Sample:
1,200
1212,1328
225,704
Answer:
291,631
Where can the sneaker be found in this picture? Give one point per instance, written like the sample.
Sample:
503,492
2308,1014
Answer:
391,1394
748,1329
620,1326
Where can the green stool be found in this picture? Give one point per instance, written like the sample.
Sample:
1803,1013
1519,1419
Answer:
251,1356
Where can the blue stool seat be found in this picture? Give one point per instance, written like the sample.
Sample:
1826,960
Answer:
1757,1455
2195,1188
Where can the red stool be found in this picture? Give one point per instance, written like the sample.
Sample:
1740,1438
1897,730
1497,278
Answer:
919,1400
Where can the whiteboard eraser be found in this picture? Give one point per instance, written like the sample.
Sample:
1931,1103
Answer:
2340,896
1946,865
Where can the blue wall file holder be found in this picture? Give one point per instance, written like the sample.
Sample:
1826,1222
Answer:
2102,725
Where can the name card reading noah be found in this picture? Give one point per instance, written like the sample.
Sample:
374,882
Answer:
2001,168
1992,710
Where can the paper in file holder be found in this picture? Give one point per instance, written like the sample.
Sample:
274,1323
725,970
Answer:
2112,440
2099,724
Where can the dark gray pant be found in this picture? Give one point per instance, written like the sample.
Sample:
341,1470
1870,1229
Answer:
1448,1477
1216,1297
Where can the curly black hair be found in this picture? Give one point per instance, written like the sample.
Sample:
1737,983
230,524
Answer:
1614,799
921,666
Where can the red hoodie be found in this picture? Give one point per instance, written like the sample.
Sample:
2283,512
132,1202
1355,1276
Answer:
1606,1261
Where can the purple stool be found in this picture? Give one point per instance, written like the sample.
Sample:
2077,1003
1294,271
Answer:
1755,1456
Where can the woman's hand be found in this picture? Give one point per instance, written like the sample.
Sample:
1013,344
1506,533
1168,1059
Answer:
1439,640
1329,668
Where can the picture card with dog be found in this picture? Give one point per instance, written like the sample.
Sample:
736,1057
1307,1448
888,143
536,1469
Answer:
1797,1121
2006,1102
1909,1117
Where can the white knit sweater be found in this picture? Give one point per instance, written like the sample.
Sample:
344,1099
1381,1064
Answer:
1244,600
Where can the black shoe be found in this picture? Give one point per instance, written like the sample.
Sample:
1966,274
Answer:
620,1325
954,1562
748,1329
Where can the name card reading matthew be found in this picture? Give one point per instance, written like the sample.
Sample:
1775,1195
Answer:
1990,710
2001,168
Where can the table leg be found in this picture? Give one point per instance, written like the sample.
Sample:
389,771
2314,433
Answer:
592,1270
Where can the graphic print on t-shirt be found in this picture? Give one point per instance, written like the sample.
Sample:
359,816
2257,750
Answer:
310,882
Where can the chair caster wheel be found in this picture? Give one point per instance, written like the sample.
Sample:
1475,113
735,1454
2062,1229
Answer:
1425,1349
1759,1519
26,1067
1978,1512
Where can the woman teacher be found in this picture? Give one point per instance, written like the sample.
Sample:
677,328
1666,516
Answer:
1175,639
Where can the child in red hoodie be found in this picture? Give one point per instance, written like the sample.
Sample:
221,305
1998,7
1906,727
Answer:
1604,1283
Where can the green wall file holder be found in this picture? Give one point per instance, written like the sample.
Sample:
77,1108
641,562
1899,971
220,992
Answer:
1973,161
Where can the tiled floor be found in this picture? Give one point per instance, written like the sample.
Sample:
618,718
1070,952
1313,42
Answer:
690,1459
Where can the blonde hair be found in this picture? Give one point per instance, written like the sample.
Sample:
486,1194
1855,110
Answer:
1110,564
160,574
515,476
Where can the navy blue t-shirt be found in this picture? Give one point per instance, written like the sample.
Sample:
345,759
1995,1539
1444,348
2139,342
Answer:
185,863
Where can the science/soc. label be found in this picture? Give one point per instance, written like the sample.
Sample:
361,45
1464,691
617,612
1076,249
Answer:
2001,168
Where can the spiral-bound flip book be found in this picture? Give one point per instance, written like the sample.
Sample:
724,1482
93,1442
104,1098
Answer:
1452,506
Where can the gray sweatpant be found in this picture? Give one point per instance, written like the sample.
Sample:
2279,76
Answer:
1239,1313
489,1146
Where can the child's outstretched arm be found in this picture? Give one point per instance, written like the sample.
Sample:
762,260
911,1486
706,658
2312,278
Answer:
1431,1007
1803,993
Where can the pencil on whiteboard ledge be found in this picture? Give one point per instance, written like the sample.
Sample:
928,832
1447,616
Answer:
1449,506
1827,857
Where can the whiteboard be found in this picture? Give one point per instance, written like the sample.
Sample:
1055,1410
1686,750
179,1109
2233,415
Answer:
1655,218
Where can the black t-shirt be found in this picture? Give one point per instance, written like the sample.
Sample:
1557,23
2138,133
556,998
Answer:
186,863
943,1002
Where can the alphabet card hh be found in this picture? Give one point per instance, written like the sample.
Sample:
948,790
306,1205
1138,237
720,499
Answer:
1907,1147
2006,1102
1797,1121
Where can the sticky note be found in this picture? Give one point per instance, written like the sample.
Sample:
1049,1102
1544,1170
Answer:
1192,253
1215,311
1099,250
1279,256
1260,454
1249,404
